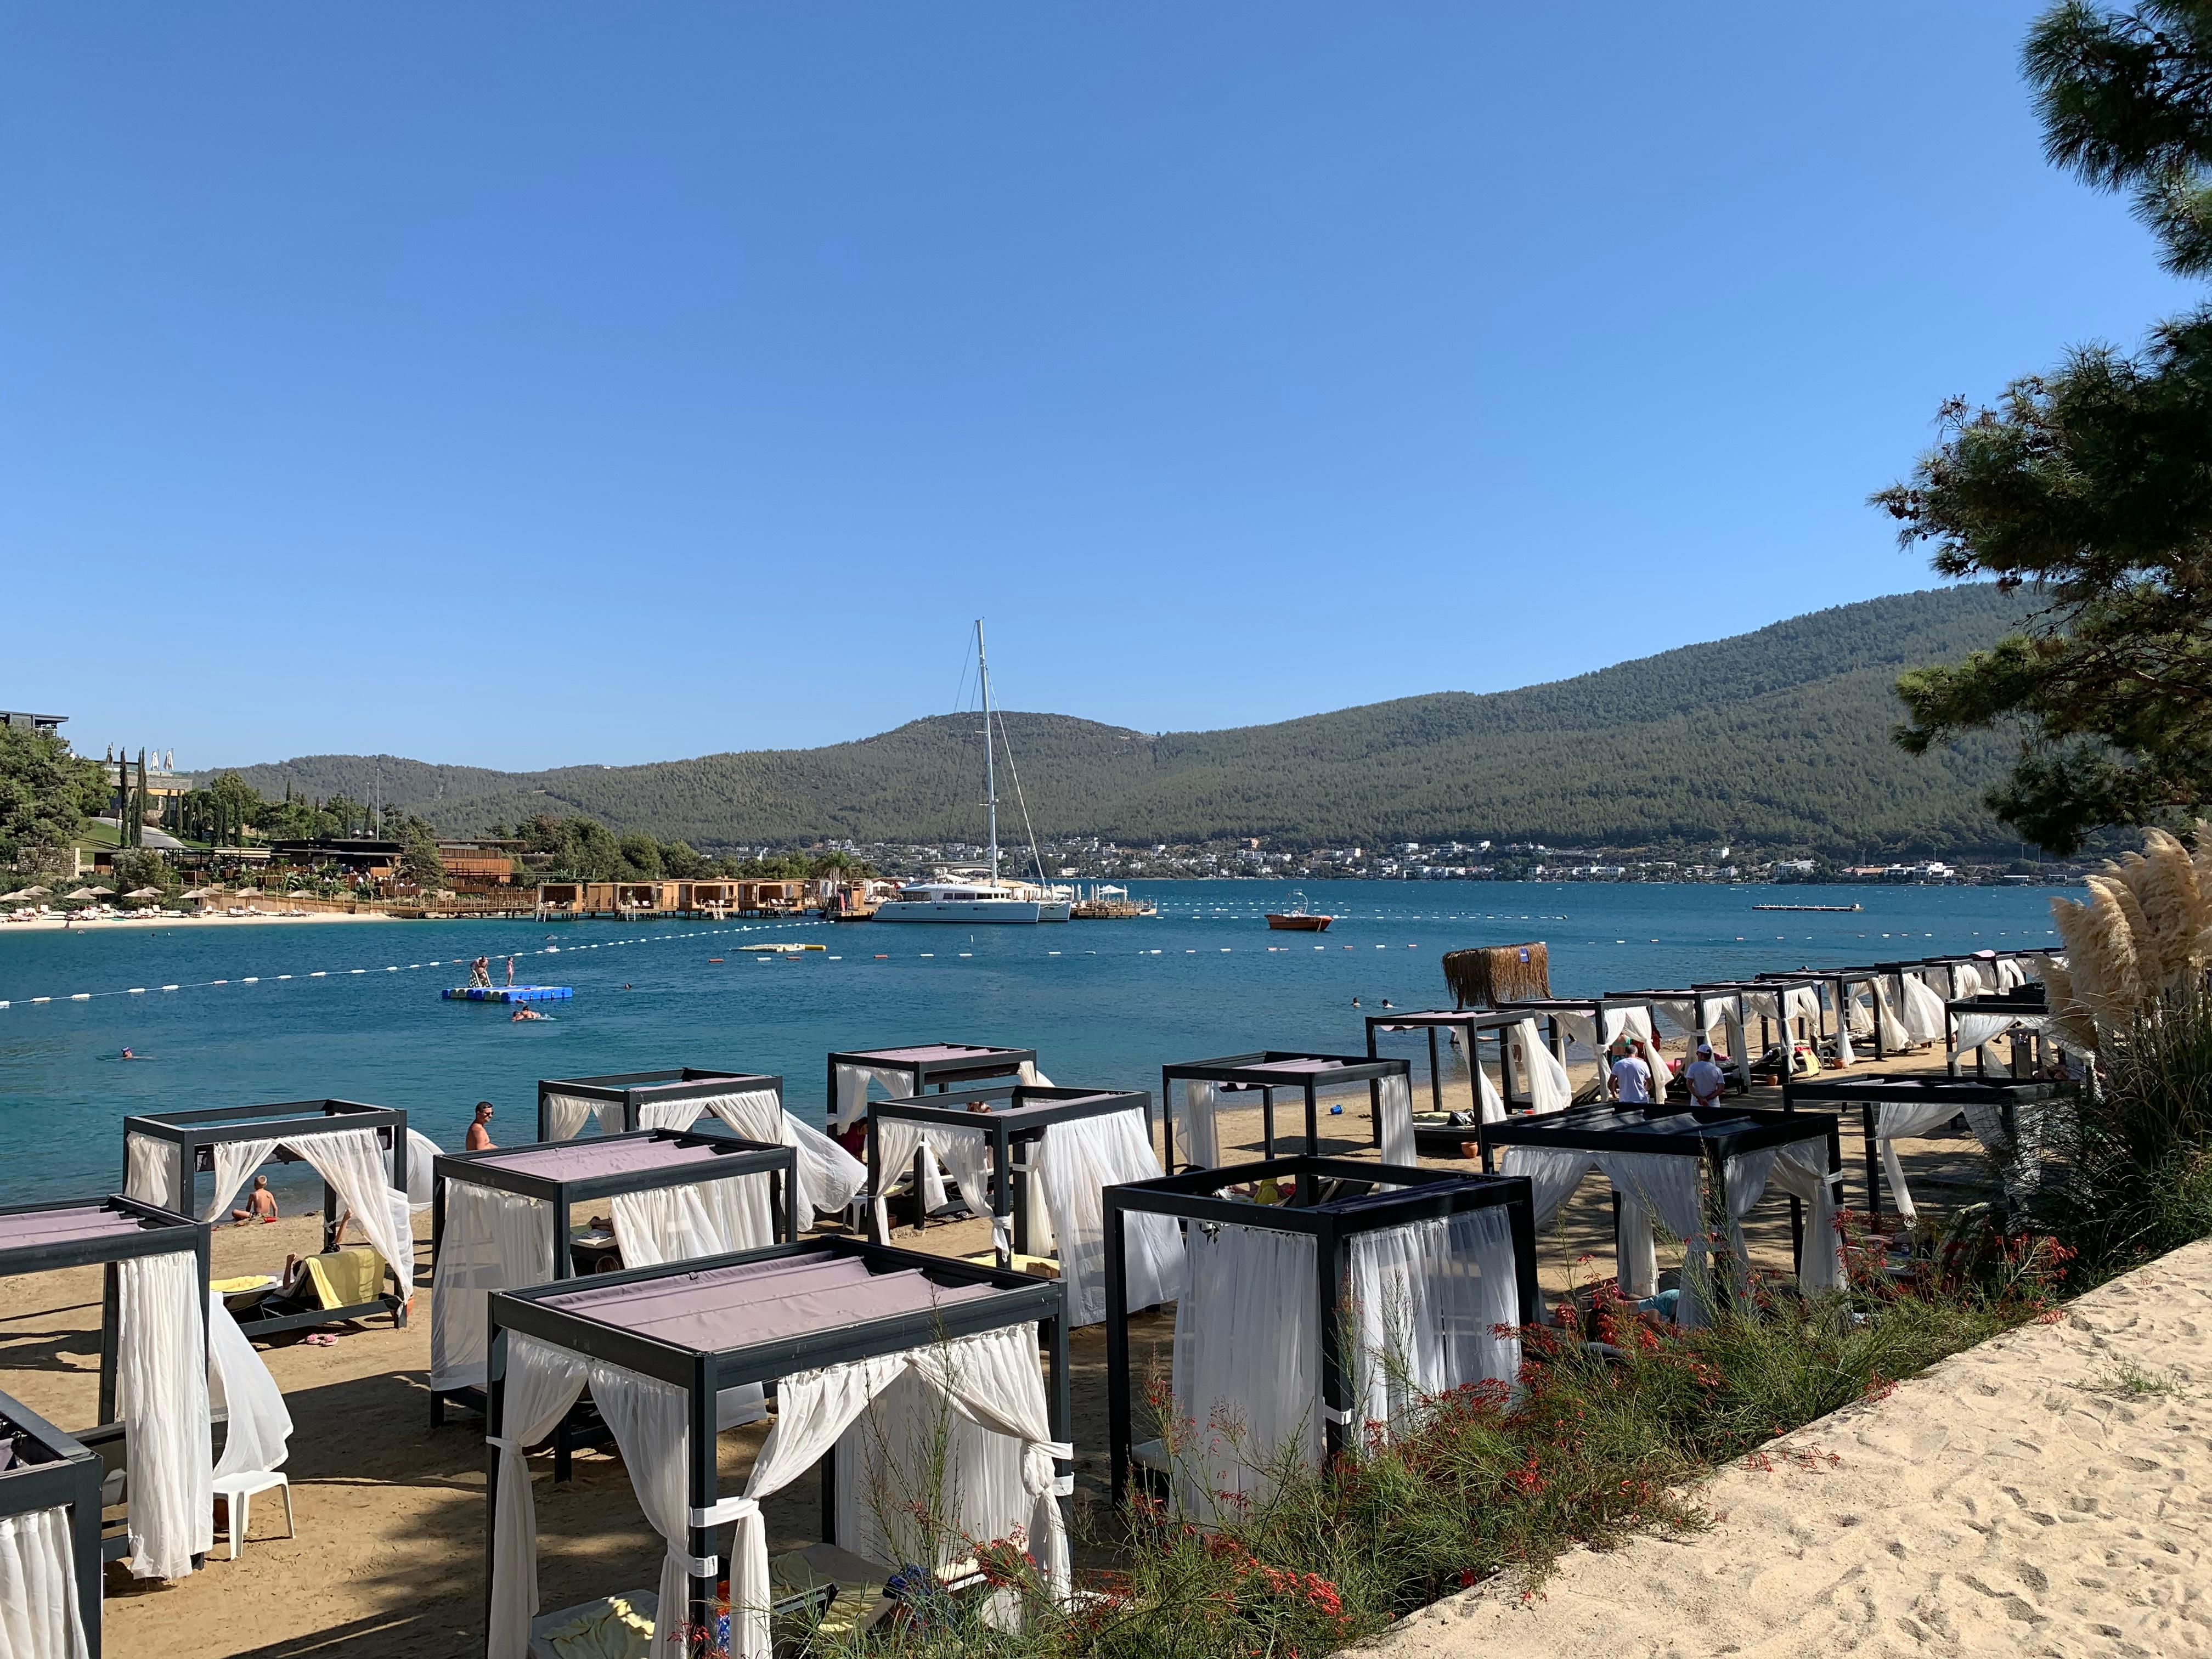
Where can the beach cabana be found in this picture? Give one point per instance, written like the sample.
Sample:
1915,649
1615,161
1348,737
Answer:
1203,1088
361,1152
1708,1014
678,1097
2005,1115
1696,1171
1407,1274
153,1357
1529,1076
50,1543
501,1220
621,1103
2021,1015
1009,1146
1593,1022
918,1069
862,1343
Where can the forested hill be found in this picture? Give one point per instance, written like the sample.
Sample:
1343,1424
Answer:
1778,738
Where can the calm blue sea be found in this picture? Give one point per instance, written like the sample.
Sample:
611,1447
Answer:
1103,1003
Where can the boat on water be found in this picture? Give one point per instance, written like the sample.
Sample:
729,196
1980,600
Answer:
1839,909
972,893
1298,918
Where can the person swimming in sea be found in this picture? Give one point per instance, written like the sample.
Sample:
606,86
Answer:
520,1014
127,1054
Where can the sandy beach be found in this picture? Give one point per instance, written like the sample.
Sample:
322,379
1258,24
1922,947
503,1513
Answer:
2044,1494
388,1561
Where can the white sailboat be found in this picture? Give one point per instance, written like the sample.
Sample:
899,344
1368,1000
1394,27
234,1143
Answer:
954,894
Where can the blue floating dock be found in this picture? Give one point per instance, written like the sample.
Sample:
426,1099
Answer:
509,993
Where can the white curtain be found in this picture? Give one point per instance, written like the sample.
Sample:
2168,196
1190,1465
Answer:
1919,1010
1802,1171
1635,1250
354,1164
701,1218
1492,1103
990,1380
1732,1036
542,1382
650,1422
1975,1029
493,1241
908,1447
1247,1376
162,1395
1667,1187
1424,1301
676,1115
1744,1180
1033,1078
149,1171
1194,1138
567,1115
1535,1065
1074,1165
826,1175
1905,1119
813,1409
39,1616
1847,1016
234,1160
898,1141
242,1393
966,1156
2010,973
1553,1173
1397,1109
852,1103
422,1181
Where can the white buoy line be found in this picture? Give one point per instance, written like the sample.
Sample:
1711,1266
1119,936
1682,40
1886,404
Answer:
394,968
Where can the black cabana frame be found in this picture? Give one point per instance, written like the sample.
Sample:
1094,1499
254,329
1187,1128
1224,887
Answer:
2023,1003
63,1473
1413,1194
634,1091
1287,1068
1722,1132
964,1062
1019,1114
161,1232
1592,1008
1839,1095
1017,1299
1472,1026
193,1137
1839,985
1736,1075
733,1158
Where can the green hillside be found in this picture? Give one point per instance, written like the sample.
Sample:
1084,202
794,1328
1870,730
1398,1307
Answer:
1778,738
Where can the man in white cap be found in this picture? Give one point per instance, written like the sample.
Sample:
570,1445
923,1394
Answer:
1706,1080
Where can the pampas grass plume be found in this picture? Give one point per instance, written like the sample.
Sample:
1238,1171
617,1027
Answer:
2077,1030
2107,958
2166,884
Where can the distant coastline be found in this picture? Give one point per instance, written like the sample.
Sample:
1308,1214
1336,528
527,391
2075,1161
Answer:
147,923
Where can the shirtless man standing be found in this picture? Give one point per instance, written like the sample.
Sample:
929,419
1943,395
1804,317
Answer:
478,1139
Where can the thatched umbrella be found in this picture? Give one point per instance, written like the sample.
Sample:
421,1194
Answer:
101,892
248,892
81,893
1492,973
36,892
144,893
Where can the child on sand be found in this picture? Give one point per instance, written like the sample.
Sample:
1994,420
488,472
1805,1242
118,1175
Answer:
260,1205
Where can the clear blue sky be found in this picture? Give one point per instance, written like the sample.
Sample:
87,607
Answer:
528,384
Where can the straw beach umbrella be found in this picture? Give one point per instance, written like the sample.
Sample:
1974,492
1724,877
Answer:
144,893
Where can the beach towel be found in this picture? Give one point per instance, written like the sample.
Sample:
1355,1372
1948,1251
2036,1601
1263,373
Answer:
345,1278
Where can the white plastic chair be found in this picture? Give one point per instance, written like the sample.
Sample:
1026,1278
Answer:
236,1488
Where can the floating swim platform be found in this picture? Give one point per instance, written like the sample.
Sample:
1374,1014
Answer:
509,993
782,950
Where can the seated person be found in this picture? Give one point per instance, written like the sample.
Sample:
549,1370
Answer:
260,1205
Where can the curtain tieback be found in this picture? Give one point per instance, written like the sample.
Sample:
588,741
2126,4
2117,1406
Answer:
723,1510
699,1566
504,1443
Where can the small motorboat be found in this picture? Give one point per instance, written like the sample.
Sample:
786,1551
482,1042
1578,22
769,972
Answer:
1298,918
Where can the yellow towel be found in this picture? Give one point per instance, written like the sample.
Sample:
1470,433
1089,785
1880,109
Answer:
345,1278
612,1630
249,1282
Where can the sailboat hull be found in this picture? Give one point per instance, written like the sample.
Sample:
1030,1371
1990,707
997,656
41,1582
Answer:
975,910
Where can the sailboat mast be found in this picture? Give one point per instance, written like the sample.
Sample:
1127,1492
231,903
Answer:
990,746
